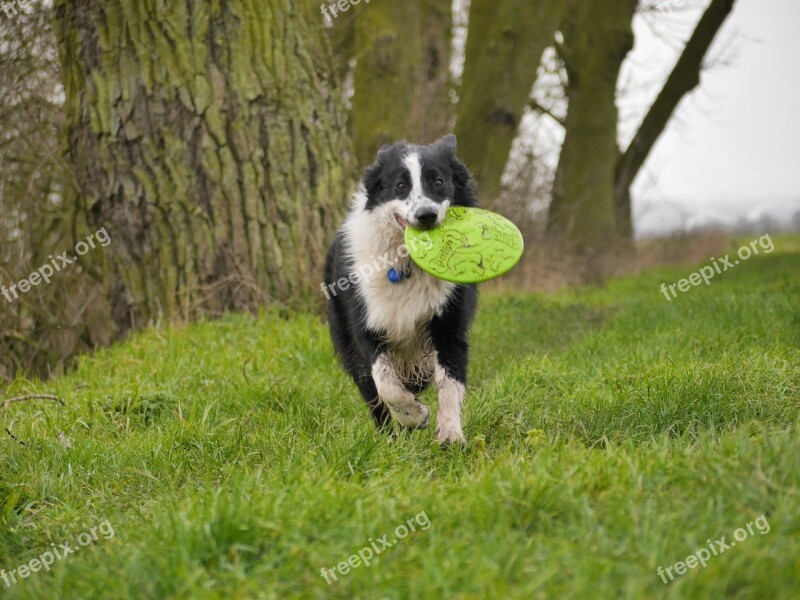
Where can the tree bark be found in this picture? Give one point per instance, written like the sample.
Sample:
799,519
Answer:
209,138
598,36
402,77
684,78
505,43
342,34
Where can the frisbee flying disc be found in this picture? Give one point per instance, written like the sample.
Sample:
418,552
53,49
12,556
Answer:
471,245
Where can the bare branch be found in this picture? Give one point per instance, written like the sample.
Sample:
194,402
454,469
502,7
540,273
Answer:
5,403
684,78
534,105
15,438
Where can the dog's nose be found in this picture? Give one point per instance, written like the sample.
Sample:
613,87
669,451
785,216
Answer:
426,217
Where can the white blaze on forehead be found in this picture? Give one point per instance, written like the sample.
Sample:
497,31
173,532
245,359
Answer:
413,163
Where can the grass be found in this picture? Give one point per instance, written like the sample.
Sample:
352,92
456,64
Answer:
611,432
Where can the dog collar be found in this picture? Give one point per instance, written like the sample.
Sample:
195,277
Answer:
396,276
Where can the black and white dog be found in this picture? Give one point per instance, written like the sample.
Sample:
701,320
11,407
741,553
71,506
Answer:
396,328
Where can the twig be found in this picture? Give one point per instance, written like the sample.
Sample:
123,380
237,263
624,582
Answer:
242,426
244,370
13,437
249,416
534,105
5,403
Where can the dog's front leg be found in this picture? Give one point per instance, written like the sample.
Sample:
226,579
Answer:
401,403
449,335
451,400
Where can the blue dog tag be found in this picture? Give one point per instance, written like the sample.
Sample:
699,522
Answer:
396,276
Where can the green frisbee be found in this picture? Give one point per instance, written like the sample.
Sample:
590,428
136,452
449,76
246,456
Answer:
471,245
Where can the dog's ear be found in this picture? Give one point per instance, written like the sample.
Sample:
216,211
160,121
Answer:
373,179
383,153
448,144
466,193
374,174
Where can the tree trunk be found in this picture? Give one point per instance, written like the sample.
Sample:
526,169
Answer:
342,34
684,78
209,139
597,39
505,43
402,74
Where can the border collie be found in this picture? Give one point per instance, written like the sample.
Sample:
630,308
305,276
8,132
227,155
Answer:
395,328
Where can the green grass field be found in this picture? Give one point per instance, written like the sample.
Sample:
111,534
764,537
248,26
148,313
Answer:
610,432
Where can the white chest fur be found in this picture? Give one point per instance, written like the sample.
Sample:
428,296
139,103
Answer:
401,309
374,242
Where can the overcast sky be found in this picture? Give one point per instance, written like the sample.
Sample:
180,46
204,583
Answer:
735,147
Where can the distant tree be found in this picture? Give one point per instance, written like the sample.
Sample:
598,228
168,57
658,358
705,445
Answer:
591,203
684,78
209,138
402,73
505,43
597,38
42,328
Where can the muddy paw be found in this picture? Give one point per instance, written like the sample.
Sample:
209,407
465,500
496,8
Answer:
450,436
414,416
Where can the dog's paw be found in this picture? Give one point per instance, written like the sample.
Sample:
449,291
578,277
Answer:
447,436
412,415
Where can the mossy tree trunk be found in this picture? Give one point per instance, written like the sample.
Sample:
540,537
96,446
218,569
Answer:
209,138
597,37
402,75
505,43
342,35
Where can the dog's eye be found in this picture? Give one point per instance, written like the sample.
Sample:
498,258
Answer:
439,183
401,187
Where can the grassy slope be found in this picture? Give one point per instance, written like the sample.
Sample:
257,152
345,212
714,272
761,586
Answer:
662,425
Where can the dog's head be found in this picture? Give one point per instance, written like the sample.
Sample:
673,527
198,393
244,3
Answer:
415,185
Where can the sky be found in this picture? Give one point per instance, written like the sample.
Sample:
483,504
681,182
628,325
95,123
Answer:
734,148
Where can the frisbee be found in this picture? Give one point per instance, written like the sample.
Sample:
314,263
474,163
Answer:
472,245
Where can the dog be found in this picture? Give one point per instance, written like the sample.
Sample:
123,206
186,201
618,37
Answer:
396,329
